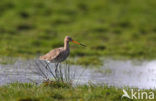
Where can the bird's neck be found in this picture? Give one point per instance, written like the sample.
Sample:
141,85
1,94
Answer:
66,45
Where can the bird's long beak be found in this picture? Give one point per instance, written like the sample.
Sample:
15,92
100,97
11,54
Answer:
78,43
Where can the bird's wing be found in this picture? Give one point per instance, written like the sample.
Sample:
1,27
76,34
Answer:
52,54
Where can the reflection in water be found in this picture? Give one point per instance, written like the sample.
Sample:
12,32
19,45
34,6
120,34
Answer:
113,72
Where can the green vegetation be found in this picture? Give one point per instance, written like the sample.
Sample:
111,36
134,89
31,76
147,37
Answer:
116,28
31,92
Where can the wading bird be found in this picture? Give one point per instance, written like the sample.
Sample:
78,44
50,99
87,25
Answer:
59,54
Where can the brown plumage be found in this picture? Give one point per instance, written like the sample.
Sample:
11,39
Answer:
56,55
59,54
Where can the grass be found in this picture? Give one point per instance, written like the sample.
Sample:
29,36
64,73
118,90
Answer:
50,73
31,92
109,28
116,28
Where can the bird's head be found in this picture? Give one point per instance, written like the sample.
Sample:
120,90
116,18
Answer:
69,39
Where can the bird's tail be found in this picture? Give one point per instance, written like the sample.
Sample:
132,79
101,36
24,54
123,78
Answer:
42,58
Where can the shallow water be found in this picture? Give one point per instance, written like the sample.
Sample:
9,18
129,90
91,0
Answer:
139,74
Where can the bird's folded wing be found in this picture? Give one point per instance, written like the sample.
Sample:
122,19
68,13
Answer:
51,55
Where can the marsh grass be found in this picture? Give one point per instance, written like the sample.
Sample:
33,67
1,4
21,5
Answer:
61,78
30,92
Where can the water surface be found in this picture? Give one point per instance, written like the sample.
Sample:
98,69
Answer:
139,74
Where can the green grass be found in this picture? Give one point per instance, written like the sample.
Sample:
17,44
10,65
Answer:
116,28
31,92
109,28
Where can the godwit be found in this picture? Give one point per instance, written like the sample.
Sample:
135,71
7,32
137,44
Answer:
59,54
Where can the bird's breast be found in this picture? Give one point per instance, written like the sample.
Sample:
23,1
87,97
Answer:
63,56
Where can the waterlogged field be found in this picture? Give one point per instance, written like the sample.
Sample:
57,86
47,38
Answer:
115,81
120,29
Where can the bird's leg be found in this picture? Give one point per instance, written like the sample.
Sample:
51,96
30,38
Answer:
56,70
57,64
47,64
